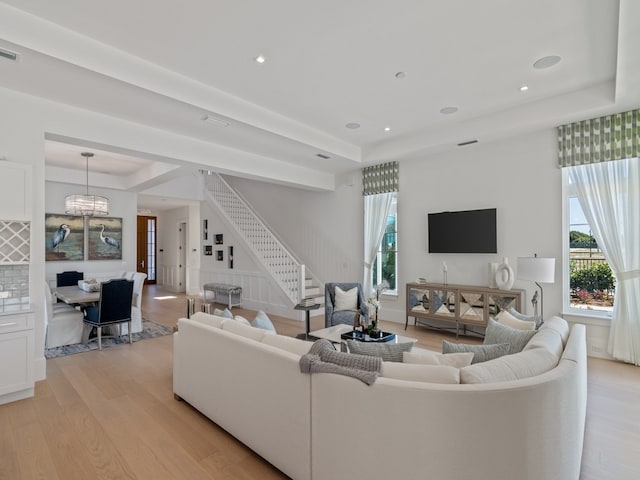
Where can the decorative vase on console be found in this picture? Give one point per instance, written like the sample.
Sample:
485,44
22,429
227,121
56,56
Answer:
504,275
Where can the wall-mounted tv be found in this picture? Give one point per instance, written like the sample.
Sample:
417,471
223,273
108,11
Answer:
468,231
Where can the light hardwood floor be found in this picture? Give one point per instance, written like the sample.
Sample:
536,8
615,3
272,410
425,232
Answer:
111,414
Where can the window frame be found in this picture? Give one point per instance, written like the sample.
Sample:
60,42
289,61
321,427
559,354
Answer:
568,192
378,261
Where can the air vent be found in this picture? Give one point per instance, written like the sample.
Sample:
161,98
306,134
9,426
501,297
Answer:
322,155
470,142
7,54
218,122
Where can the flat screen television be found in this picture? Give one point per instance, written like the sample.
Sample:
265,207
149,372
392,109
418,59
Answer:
468,231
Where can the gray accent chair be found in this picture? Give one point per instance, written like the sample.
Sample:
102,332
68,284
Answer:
331,317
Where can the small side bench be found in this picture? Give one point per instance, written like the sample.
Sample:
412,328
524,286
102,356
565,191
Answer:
231,293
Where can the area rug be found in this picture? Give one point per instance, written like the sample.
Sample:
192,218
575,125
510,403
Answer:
149,330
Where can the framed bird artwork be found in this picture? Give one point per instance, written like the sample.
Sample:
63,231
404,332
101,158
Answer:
64,237
105,238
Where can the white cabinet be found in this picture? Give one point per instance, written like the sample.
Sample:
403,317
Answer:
16,318
15,191
16,357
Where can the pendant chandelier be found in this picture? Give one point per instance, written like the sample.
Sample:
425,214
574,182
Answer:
86,205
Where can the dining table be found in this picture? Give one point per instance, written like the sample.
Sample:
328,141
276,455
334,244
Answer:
74,295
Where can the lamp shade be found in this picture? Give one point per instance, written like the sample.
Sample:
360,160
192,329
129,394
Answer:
86,205
537,269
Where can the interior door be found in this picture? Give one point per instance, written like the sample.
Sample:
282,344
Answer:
146,247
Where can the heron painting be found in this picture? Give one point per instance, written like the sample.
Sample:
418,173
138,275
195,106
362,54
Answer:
105,238
64,237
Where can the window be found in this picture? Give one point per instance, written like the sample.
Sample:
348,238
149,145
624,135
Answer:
589,282
385,267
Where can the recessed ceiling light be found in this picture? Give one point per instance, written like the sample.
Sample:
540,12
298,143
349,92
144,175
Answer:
260,59
387,129
524,88
352,125
401,74
546,62
448,110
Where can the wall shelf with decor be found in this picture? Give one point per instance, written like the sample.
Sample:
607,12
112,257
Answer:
460,306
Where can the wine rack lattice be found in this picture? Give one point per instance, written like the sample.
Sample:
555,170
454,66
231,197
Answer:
14,242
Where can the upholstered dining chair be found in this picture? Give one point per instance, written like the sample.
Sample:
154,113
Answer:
68,279
114,308
344,313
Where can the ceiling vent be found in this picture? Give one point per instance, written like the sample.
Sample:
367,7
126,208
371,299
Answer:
8,54
470,142
322,155
218,122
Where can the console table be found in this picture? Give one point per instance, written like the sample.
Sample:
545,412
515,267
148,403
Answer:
458,305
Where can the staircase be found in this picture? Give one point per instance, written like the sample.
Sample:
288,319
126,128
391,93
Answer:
285,269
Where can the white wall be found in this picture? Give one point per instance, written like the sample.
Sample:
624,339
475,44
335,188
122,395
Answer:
121,205
518,177
259,291
323,228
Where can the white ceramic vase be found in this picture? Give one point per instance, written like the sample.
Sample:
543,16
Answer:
504,275
493,268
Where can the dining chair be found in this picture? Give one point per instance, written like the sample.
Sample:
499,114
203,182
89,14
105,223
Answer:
114,308
68,279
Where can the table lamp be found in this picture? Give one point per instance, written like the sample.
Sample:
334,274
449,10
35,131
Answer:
538,270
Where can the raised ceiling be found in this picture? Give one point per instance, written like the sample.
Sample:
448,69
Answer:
167,63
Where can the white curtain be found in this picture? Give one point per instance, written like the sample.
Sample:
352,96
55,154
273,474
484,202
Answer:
376,211
609,194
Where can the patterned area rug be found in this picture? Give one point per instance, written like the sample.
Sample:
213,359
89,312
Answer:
149,330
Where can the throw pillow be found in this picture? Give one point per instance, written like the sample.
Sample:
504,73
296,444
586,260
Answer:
498,333
421,373
510,367
506,318
345,300
389,352
481,353
223,313
263,321
425,357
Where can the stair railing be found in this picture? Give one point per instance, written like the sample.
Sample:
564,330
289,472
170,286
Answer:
285,269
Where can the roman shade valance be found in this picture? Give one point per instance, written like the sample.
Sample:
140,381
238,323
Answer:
601,139
381,178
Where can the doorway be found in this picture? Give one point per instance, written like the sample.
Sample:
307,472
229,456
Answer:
146,247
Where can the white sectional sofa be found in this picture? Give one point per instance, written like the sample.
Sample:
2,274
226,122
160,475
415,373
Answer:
330,427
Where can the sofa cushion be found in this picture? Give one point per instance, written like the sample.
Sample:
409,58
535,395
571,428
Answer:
208,319
261,320
506,318
240,319
558,324
290,344
389,352
247,331
547,338
425,357
421,373
223,313
481,353
345,300
510,367
498,333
